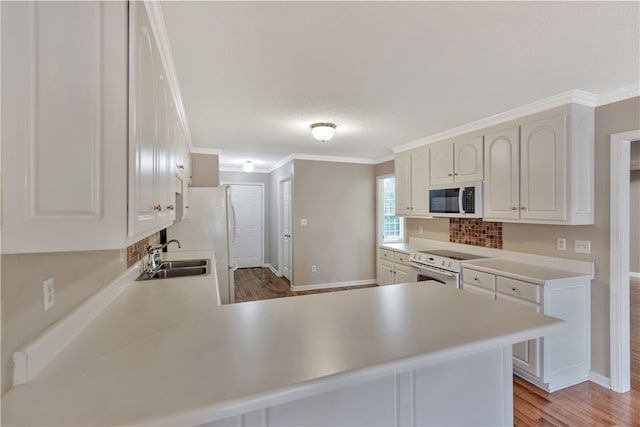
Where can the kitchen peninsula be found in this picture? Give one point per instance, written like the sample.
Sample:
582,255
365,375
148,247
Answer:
418,353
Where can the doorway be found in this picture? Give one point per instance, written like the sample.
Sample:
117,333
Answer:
248,204
285,229
619,296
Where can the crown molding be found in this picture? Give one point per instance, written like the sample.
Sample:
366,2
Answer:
384,159
569,97
204,150
156,19
619,94
239,169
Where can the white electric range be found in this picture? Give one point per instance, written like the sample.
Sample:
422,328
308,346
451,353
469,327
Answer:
440,265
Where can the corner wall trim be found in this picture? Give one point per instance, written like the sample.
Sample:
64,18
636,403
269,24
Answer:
273,270
334,285
599,379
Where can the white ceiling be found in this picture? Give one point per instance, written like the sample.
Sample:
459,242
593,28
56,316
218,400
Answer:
255,75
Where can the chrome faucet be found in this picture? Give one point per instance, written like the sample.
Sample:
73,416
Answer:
154,261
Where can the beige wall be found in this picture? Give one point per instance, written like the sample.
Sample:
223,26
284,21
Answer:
434,229
634,240
338,201
541,239
77,275
204,170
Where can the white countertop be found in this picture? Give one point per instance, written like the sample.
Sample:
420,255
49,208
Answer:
164,353
406,248
521,271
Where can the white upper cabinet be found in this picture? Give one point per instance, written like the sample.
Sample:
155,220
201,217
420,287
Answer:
502,175
156,137
457,162
412,182
64,133
542,171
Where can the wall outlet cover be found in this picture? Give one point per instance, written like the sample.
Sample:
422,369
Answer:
314,268
562,244
303,221
420,229
47,294
583,246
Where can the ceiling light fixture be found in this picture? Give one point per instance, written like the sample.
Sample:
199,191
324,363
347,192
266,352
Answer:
248,166
323,131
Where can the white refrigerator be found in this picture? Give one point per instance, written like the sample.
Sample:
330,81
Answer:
210,224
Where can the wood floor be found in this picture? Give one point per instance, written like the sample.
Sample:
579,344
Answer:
586,404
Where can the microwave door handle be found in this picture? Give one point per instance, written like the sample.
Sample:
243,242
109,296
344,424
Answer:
460,200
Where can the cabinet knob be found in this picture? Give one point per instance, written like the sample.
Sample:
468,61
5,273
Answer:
455,174
450,174
514,208
476,279
522,208
181,167
157,208
170,207
514,289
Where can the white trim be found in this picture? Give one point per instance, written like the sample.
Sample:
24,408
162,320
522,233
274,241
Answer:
384,159
634,274
203,150
156,19
619,321
619,94
264,202
34,356
239,169
569,97
334,285
272,268
599,379
281,182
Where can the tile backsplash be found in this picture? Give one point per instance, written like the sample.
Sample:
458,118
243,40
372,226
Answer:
475,232
136,251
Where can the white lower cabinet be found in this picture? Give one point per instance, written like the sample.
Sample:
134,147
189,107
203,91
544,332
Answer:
393,268
554,361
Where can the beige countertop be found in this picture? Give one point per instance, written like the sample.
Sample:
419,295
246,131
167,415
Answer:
406,248
521,271
165,353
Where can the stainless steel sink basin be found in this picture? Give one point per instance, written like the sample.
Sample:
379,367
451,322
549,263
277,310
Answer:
173,269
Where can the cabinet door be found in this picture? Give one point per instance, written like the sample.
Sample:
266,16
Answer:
64,126
543,182
468,160
164,170
442,165
420,181
501,178
403,274
386,273
403,183
144,90
525,354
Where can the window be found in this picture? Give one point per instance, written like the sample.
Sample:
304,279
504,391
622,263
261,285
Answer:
390,226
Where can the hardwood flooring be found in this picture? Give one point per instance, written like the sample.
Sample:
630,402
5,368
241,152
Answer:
586,404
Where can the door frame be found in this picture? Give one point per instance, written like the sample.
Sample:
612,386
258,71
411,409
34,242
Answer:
619,299
263,237
281,182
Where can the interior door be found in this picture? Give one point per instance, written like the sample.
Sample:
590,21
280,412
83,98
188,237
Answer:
286,229
247,203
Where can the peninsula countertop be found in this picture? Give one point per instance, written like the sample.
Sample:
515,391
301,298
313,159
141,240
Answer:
190,367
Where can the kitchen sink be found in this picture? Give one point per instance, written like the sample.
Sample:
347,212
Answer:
173,269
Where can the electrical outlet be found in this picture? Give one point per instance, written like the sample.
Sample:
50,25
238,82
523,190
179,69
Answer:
314,269
123,256
303,221
562,244
583,246
47,294
420,229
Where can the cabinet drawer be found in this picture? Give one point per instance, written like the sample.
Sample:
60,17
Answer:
401,258
478,278
519,289
478,291
387,255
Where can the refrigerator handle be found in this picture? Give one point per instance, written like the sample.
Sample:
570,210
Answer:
233,225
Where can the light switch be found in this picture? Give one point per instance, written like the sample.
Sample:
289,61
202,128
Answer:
303,221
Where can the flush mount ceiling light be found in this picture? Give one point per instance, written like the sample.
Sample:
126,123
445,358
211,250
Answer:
323,131
248,166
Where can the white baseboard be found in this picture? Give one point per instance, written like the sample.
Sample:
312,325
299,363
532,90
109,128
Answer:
599,379
272,268
634,274
334,285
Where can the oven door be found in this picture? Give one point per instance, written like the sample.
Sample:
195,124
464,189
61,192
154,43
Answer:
425,273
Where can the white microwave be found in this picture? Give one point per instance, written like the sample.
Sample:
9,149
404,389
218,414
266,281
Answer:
462,200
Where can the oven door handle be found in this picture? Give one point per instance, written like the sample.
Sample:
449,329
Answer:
434,270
